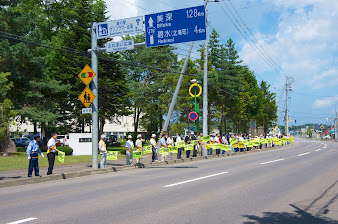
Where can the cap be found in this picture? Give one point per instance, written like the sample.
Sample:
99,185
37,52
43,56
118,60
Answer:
139,136
129,136
103,136
153,136
36,135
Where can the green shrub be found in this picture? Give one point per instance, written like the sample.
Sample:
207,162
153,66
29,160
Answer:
65,149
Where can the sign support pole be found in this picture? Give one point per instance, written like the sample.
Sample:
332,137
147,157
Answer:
205,76
95,121
178,86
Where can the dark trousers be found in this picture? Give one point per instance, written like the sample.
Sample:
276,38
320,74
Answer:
179,153
51,160
194,154
154,155
188,153
33,163
218,151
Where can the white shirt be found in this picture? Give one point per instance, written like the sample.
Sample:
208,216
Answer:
162,142
178,139
51,143
138,144
170,141
224,140
102,147
129,145
153,142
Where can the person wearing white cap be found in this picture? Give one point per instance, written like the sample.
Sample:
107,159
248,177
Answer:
153,148
129,151
103,151
170,142
139,147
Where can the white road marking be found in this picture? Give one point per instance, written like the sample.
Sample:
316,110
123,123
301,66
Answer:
200,178
325,147
272,161
304,154
318,150
22,221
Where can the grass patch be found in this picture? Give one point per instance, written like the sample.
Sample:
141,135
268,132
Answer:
16,161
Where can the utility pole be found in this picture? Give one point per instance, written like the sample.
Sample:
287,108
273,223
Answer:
287,109
95,118
205,75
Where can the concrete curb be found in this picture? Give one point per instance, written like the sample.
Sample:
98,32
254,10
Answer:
33,180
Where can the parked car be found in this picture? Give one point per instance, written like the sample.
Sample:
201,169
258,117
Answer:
64,140
111,140
57,142
22,142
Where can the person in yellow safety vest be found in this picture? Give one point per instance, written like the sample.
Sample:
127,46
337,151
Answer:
103,152
153,148
170,142
129,150
187,141
139,147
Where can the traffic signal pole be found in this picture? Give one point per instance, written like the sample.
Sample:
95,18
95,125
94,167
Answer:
95,120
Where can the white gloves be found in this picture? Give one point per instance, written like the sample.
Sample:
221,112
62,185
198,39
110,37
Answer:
29,157
42,155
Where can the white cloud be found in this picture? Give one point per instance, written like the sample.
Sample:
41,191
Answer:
305,44
120,9
326,102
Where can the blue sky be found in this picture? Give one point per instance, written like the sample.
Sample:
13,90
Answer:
297,38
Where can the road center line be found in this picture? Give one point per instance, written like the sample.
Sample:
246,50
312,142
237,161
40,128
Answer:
272,161
318,150
200,178
304,154
22,221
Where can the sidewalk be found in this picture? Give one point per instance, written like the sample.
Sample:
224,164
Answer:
17,174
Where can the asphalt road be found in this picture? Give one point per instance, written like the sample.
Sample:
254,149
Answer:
295,184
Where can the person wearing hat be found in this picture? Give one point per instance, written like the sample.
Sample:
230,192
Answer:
33,152
139,147
51,150
103,151
154,148
129,151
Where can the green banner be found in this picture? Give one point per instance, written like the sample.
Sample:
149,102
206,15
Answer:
137,154
194,142
180,144
61,156
164,151
173,149
205,138
249,144
147,149
112,155
189,147
224,147
233,141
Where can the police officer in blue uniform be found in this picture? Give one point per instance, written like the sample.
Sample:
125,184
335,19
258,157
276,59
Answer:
33,152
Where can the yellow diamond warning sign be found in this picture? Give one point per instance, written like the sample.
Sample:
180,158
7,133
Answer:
87,75
87,97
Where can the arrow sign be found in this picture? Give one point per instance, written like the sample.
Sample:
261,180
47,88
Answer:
138,21
151,22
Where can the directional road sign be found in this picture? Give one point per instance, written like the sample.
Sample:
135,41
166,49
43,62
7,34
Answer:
120,46
172,27
87,75
193,116
87,97
119,27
